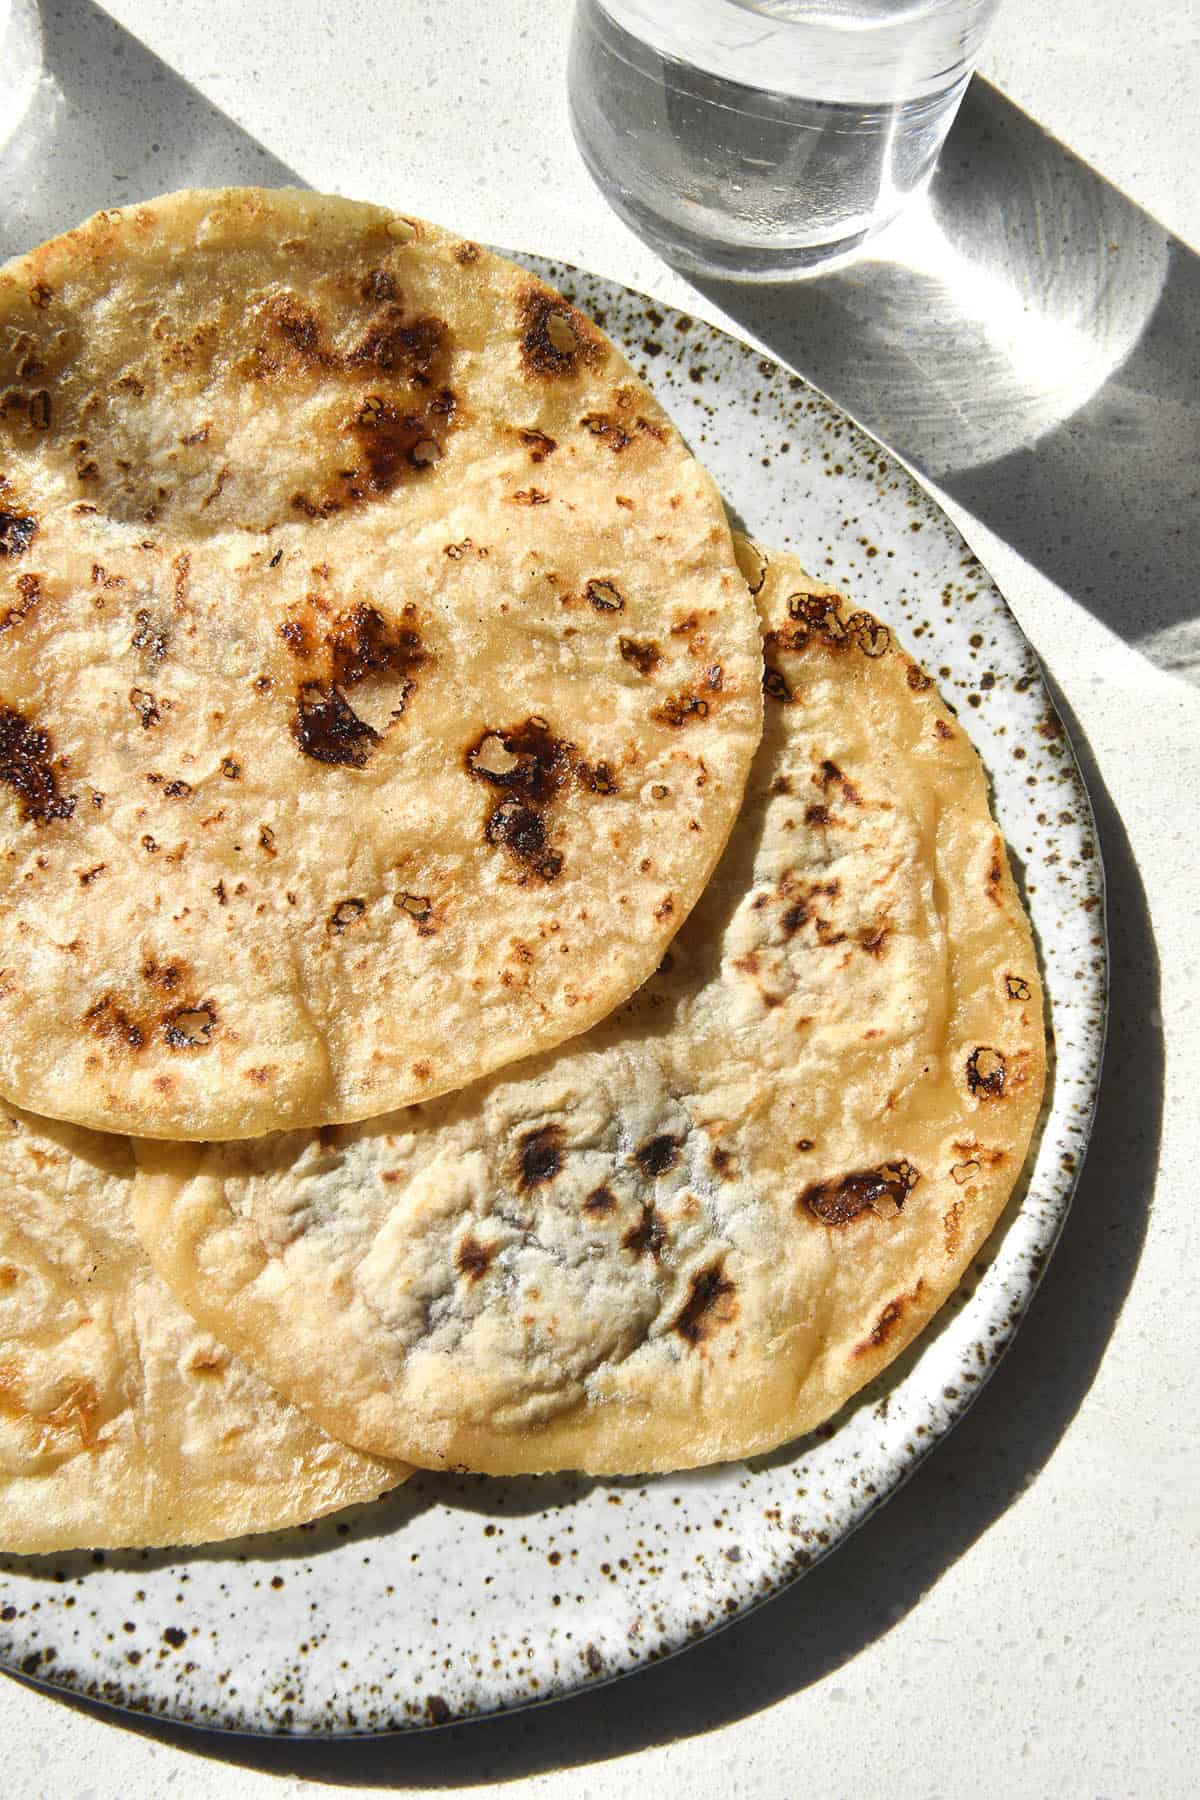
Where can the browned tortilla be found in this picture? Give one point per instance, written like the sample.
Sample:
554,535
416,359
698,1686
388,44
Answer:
377,684
694,1233
123,1422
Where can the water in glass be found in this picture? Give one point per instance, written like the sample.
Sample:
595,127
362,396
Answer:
766,137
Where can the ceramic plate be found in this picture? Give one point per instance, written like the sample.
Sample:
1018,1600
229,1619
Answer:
463,1596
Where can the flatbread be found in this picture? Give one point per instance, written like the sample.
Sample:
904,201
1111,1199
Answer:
693,1234
377,686
122,1423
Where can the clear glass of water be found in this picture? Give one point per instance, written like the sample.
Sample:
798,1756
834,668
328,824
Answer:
767,138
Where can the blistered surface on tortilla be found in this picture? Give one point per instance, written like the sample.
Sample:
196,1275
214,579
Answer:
377,685
694,1234
122,1422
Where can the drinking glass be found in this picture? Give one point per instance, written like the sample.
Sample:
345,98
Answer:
761,138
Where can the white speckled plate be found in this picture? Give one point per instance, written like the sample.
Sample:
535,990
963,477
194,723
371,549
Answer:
463,1596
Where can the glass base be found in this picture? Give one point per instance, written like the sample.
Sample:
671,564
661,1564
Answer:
693,253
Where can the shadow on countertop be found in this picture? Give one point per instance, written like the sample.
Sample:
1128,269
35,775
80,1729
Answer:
110,113
110,123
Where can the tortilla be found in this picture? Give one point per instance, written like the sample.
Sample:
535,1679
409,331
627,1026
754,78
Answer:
378,685
695,1233
122,1423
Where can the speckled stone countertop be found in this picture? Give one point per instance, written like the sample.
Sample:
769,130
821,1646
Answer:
1021,1619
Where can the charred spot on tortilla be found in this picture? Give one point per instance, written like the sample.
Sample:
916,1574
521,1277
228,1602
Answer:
27,767
539,1156
843,1198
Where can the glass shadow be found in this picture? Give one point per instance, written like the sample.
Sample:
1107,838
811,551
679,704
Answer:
1030,339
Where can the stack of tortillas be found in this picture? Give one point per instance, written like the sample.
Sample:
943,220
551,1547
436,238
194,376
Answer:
381,692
